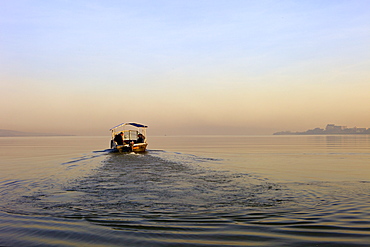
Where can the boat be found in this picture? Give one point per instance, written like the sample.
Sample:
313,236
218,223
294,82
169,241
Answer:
129,137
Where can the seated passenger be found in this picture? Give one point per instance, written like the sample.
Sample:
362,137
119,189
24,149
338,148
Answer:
140,138
119,138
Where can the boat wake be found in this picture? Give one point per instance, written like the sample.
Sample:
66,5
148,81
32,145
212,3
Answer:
131,182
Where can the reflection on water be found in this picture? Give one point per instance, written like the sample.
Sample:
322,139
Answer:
171,198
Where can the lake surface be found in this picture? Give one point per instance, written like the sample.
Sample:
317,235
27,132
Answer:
186,191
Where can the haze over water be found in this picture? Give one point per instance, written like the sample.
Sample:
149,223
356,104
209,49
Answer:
184,67
186,191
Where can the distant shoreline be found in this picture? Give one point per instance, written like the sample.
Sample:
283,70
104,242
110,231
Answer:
304,133
330,129
14,133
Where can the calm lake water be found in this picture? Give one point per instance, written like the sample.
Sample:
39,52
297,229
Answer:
186,191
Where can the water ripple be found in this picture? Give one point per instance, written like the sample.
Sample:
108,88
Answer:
167,199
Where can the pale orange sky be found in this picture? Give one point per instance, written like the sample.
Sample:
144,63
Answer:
217,67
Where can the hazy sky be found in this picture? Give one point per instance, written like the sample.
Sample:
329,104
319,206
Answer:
184,67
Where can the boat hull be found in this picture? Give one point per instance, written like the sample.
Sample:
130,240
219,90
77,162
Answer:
136,148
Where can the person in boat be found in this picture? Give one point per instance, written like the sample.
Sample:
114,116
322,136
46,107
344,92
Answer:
140,138
119,138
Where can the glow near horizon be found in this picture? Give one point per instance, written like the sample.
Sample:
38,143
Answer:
184,67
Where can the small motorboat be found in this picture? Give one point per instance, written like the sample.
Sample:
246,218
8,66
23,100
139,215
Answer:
129,137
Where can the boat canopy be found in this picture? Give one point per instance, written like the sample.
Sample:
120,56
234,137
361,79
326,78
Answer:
132,124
